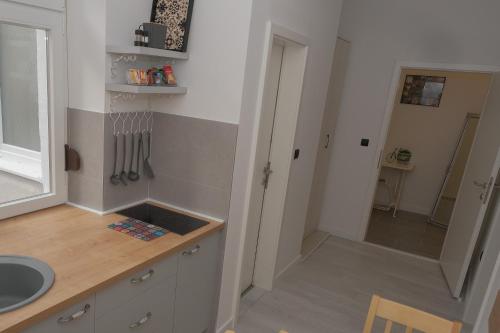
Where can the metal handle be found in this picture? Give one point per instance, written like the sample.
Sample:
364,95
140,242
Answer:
267,172
192,251
327,141
486,194
74,316
142,321
480,185
143,278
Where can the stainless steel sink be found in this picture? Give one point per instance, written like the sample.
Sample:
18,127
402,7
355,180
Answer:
22,281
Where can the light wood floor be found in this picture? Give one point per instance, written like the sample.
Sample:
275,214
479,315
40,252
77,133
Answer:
330,291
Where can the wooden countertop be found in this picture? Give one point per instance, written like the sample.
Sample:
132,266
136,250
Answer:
85,255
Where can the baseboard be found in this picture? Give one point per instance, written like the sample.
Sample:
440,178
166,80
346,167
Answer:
88,209
290,265
184,210
402,252
106,212
323,239
226,326
116,209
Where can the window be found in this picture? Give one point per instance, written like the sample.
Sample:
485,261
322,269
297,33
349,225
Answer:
32,109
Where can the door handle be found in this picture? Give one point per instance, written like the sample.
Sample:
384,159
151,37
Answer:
482,185
74,316
193,251
267,172
143,278
486,187
327,141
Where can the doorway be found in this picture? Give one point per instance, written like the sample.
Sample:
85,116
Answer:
281,95
432,130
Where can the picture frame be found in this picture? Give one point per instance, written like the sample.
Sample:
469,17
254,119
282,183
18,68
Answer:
176,16
423,90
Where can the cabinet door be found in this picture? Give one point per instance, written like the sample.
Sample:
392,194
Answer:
197,286
76,319
150,312
135,285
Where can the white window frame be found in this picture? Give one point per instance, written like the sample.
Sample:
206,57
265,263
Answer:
53,21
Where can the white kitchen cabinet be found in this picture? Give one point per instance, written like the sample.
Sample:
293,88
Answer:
177,294
76,319
196,291
150,312
135,285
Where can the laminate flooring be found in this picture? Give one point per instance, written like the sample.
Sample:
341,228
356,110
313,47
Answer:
408,232
330,291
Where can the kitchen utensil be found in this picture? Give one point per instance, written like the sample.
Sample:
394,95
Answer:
115,178
133,175
139,150
148,170
123,174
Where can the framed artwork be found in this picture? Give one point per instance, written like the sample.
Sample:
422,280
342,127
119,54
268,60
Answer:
176,16
423,90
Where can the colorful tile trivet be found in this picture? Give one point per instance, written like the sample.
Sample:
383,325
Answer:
138,229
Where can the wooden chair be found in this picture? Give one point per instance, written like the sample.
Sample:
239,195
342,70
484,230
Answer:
404,315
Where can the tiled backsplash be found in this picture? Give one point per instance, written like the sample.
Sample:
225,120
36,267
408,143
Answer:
193,160
85,134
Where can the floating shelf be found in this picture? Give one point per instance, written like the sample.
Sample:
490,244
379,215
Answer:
146,51
132,89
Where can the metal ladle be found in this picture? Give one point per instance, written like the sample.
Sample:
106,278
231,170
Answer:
115,178
123,174
133,175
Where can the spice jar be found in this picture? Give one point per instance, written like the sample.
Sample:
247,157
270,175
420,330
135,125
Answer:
139,37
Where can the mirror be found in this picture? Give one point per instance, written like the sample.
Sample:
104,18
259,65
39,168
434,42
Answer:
445,203
24,131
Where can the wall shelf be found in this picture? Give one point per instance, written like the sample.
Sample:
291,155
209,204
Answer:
128,88
146,51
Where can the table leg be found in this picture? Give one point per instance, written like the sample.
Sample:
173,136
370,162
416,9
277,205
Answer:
399,190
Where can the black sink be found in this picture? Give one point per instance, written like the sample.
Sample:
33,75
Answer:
172,221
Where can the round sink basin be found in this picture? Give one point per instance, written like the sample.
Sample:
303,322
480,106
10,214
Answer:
22,281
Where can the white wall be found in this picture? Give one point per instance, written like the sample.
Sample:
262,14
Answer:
481,325
317,20
431,135
86,54
382,33
217,51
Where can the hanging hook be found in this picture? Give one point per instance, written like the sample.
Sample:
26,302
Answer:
152,121
148,116
132,121
124,122
114,119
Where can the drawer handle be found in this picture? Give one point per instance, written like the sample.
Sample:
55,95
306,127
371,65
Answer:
143,278
192,251
142,321
74,316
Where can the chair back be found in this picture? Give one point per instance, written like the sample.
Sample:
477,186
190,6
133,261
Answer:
407,316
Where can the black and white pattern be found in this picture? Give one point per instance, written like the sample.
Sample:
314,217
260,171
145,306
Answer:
176,15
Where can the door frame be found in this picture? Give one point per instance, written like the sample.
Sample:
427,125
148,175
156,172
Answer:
384,131
265,265
54,22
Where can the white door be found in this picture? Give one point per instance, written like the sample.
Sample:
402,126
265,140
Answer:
32,108
336,86
474,194
262,160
